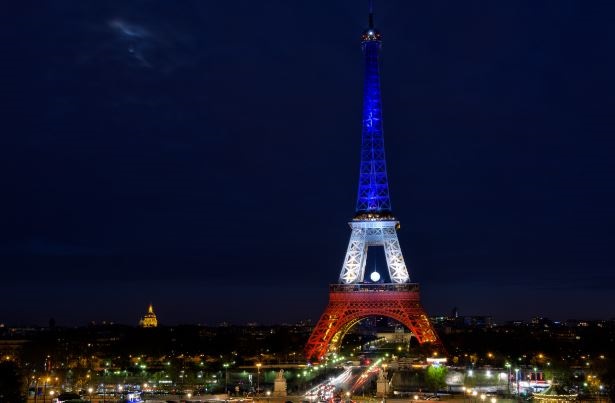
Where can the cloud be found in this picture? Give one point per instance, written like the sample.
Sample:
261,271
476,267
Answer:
135,38
127,29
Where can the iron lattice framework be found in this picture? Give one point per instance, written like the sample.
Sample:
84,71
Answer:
373,192
350,303
366,233
373,225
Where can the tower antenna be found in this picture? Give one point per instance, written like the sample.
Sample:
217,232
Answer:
371,14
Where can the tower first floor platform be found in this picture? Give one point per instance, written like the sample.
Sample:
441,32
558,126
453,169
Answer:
349,303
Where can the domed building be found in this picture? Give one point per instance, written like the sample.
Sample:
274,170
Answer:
149,320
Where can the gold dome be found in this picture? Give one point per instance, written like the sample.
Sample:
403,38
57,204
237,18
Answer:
149,320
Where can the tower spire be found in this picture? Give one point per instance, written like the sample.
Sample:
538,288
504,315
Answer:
373,193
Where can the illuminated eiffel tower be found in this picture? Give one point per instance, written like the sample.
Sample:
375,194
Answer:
354,298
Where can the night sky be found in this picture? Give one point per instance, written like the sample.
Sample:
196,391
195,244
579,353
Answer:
204,156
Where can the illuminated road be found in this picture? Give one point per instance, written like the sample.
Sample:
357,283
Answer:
363,378
330,387
351,379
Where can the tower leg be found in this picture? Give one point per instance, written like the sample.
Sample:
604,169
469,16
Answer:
350,303
395,260
354,262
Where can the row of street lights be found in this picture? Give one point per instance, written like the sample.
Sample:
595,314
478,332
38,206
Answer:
473,393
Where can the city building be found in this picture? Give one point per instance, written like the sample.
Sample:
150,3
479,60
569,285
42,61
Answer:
149,320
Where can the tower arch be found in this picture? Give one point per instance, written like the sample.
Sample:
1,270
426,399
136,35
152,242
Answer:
348,304
338,338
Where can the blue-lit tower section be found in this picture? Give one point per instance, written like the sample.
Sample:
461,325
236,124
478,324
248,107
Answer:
373,194
373,223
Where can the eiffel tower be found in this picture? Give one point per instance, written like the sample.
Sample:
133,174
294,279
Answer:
353,298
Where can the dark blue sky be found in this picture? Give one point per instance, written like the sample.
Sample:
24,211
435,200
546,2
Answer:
204,156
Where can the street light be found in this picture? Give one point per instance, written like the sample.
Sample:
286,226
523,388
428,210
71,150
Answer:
386,381
225,365
45,388
509,374
35,388
258,377
517,380
90,390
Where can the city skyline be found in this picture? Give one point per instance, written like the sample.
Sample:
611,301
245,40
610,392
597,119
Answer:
212,170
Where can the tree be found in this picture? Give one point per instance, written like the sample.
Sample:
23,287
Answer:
435,377
10,383
606,373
